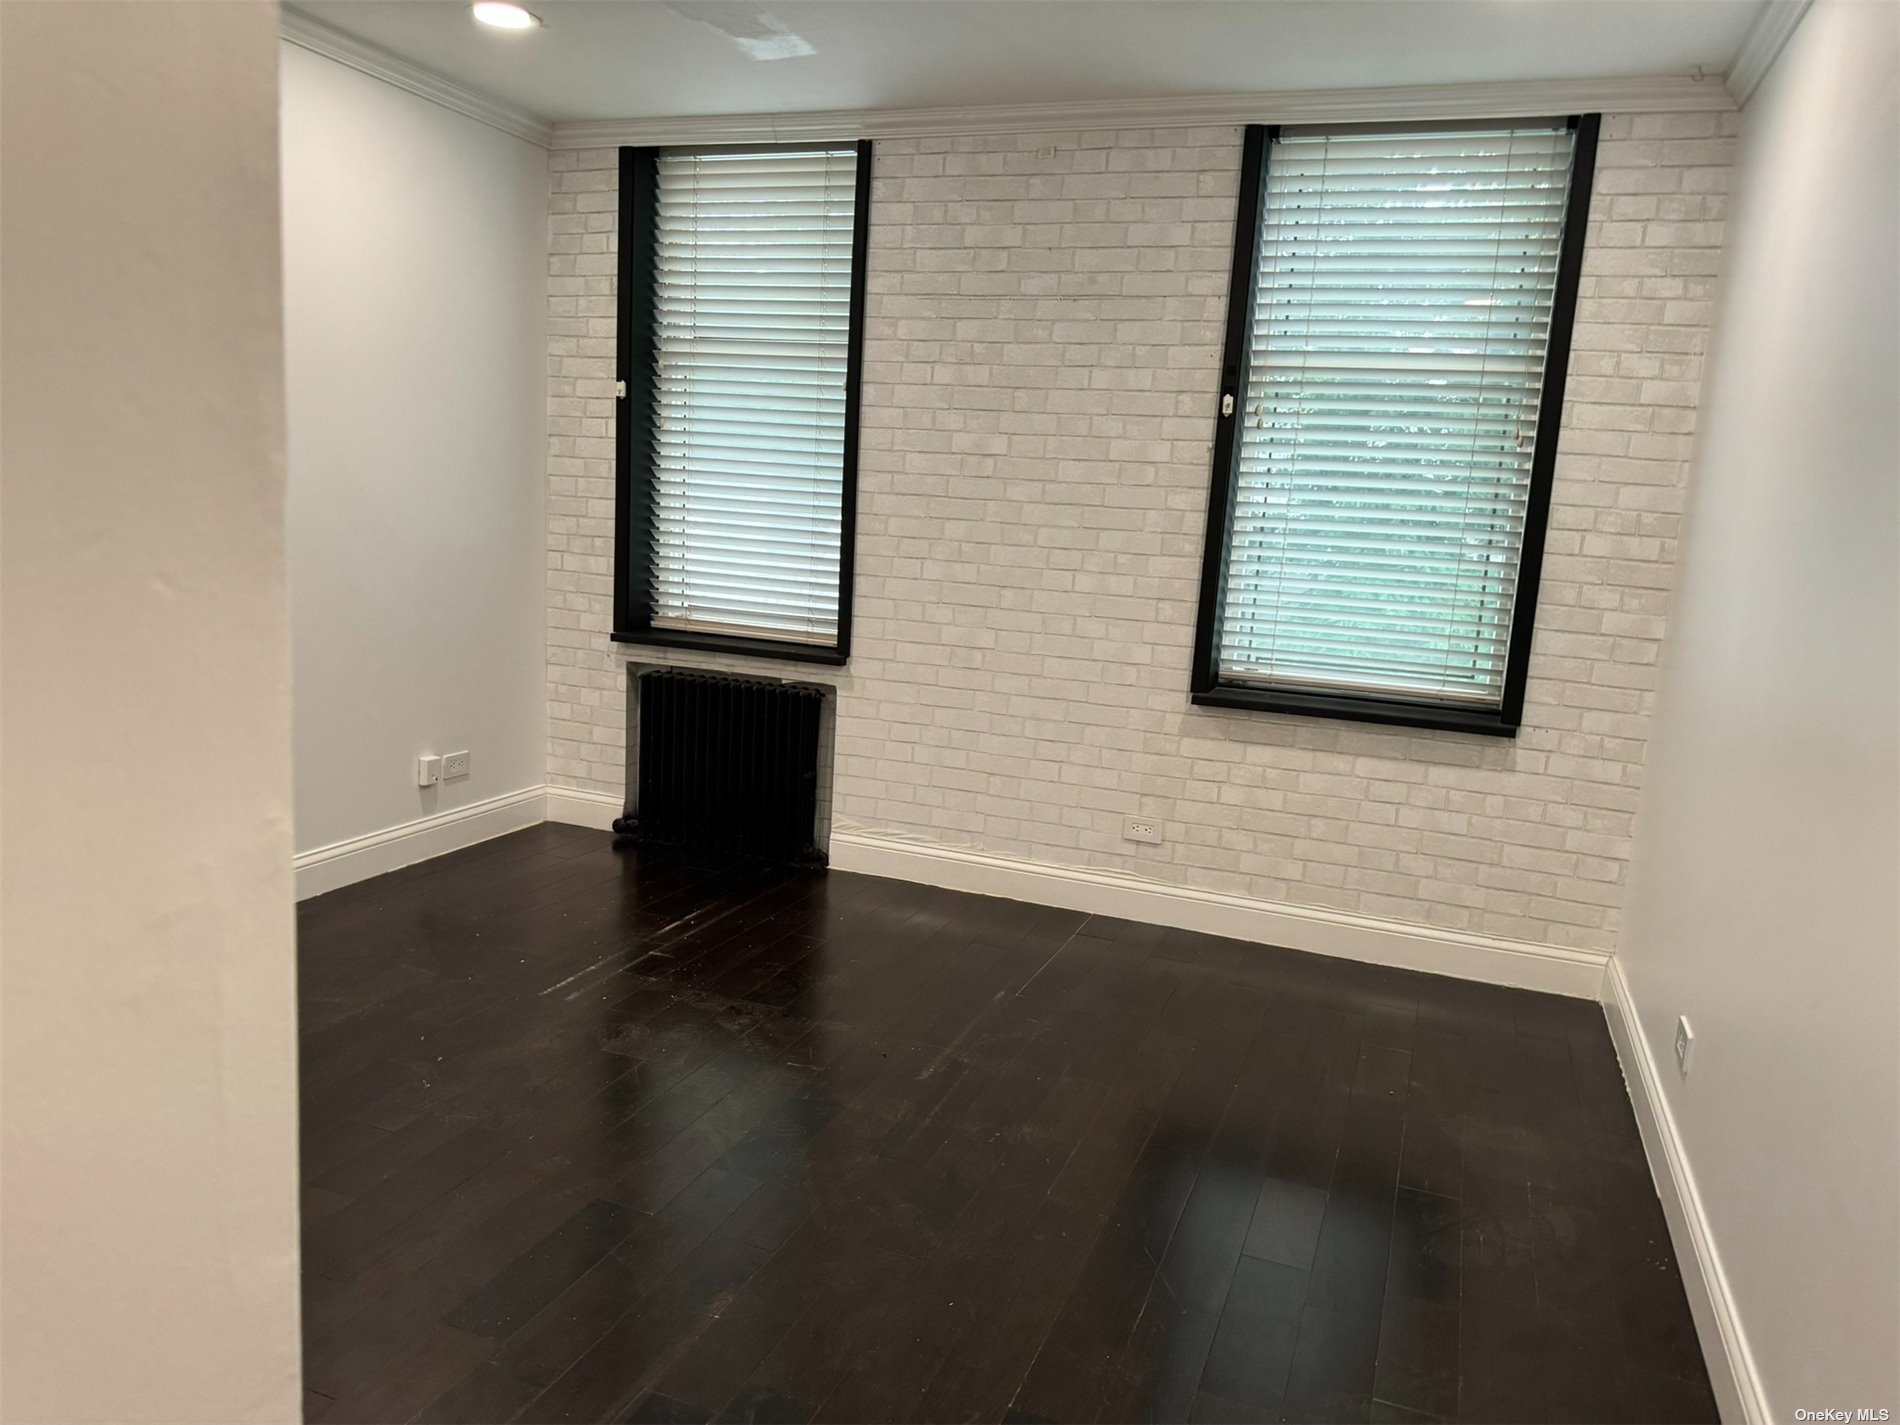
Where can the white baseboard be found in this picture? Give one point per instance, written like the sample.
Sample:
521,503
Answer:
345,862
574,807
1577,973
1732,1374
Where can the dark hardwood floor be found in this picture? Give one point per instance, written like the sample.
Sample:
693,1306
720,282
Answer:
612,1135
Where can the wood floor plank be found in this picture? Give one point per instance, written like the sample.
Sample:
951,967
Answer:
608,1134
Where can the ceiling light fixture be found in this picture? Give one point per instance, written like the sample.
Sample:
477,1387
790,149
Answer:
504,15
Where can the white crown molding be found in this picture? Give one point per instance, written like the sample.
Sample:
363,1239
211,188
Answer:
312,34
343,863
1511,99
1664,93
1578,973
1764,41
1739,1396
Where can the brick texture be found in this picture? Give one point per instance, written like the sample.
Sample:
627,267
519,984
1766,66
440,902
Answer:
1042,349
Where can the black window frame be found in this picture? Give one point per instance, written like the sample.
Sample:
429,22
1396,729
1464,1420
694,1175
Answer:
634,411
1206,688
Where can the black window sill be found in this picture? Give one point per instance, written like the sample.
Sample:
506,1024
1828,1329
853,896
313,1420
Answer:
733,643
1486,722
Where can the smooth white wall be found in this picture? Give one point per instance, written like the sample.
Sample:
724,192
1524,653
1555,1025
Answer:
415,300
1763,895
148,1214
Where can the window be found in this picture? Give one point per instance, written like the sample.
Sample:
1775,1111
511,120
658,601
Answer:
740,317
1398,327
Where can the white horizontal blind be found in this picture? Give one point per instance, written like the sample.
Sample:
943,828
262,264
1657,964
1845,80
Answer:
752,309
1402,311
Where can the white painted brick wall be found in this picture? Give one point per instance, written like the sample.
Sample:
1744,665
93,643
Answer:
1042,348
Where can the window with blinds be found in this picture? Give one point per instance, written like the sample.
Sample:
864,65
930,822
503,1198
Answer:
741,288
1401,311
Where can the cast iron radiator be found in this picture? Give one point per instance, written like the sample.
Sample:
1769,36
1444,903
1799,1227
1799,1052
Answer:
727,764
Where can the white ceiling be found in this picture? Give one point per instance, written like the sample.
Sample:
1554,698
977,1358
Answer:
623,59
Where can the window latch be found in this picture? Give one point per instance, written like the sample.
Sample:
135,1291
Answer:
1227,404
620,390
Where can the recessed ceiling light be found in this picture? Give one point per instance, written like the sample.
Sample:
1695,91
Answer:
504,15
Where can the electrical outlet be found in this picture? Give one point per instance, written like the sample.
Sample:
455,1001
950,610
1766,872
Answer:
428,771
1685,1045
1142,829
454,765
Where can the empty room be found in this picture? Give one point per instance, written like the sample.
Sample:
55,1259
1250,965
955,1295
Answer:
950,710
